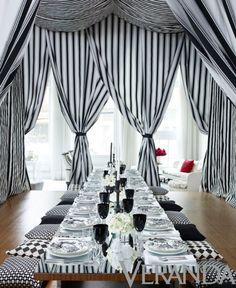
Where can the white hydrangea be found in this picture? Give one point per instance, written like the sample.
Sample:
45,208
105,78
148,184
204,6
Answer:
121,222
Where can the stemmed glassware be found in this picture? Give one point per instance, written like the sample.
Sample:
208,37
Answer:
100,235
139,221
123,182
129,193
104,197
103,210
128,205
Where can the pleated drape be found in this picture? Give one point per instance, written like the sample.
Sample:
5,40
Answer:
82,94
35,68
12,164
16,39
214,114
138,68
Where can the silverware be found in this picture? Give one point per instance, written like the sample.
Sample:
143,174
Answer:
171,258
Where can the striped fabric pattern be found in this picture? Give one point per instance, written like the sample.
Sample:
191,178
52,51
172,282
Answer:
219,166
138,68
212,26
82,94
17,42
74,15
35,67
197,85
12,164
153,14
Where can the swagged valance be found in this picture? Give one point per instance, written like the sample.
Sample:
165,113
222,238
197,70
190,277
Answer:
74,15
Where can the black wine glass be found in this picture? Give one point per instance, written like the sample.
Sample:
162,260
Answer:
103,210
139,221
128,205
100,235
105,173
123,181
110,189
122,168
104,197
129,193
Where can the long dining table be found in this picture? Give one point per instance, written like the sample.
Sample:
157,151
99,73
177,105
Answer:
161,255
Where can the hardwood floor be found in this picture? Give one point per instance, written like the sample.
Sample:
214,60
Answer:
21,213
214,218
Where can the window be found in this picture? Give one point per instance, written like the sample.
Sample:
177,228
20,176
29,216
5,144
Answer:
168,133
37,144
101,135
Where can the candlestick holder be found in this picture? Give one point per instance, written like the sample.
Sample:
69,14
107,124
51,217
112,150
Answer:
117,207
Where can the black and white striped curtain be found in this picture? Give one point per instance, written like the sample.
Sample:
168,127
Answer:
197,85
15,40
138,68
82,94
12,164
214,114
211,26
35,68
219,173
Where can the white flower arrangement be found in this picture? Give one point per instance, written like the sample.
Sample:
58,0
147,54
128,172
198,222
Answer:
109,180
121,222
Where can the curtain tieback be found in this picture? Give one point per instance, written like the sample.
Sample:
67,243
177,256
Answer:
149,136
80,134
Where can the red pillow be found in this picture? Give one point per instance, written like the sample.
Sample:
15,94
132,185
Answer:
187,166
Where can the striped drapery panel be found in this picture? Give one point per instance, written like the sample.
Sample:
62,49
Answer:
82,94
197,85
219,169
214,114
138,68
35,68
15,45
211,26
74,15
12,164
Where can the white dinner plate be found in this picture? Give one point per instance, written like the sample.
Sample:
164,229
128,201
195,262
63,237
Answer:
76,224
68,248
157,224
167,246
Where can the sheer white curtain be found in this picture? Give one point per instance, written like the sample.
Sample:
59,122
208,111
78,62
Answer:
61,139
127,140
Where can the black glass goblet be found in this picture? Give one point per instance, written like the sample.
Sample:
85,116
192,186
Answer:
123,181
104,197
128,205
129,193
139,221
122,168
103,209
110,189
105,173
100,235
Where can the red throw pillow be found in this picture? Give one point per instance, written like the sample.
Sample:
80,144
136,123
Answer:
187,166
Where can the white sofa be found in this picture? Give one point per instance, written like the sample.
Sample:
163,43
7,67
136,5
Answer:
181,180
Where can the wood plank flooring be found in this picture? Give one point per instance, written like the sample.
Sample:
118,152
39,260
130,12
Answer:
213,217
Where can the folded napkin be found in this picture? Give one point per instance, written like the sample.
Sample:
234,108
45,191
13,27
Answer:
158,260
160,234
